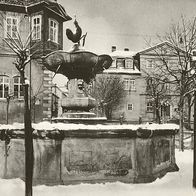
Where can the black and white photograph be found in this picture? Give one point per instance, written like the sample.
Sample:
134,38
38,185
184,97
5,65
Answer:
97,97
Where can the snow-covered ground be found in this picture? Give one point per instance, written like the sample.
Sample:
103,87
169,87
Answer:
173,184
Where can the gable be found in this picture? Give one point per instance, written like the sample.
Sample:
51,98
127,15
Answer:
163,49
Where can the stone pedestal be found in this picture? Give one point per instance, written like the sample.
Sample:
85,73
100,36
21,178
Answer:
78,103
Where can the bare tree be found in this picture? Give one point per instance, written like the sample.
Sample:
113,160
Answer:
108,91
157,90
23,57
182,39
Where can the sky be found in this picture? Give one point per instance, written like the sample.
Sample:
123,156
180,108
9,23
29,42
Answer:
124,23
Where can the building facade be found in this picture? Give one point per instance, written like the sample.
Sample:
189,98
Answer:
126,67
40,24
133,67
150,60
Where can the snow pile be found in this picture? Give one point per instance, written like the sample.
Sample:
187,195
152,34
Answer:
173,184
65,126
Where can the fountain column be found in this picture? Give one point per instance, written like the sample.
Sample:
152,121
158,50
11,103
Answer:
78,103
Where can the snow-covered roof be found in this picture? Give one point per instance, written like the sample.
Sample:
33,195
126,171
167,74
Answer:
122,71
152,48
123,54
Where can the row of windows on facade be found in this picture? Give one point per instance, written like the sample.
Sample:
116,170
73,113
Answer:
12,28
152,63
5,90
18,93
149,106
127,63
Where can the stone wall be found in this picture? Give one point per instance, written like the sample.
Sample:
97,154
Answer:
92,159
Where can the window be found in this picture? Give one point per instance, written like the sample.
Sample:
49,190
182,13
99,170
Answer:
11,27
36,27
18,92
126,84
149,64
149,106
120,63
129,84
132,85
4,86
129,64
149,83
130,106
53,30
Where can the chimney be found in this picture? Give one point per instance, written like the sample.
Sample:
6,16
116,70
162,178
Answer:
126,49
113,48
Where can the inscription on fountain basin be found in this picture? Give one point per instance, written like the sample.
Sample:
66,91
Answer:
89,159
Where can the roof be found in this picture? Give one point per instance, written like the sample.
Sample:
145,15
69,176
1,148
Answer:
23,2
122,71
123,54
29,5
157,46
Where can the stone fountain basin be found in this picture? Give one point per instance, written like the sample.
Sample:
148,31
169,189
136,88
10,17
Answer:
79,64
77,153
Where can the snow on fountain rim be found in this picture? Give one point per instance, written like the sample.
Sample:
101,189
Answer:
45,125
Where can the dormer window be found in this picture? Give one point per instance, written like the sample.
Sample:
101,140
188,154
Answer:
11,27
129,64
53,30
36,27
120,63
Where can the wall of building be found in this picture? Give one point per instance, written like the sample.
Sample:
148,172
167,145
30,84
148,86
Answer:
173,96
131,97
40,78
38,90
140,97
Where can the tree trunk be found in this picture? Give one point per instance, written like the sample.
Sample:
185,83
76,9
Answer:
189,112
7,110
108,112
29,159
157,113
158,119
181,132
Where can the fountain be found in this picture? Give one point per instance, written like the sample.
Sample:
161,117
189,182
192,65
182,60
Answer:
79,152
80,67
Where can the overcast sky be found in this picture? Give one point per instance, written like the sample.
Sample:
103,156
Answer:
124,23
